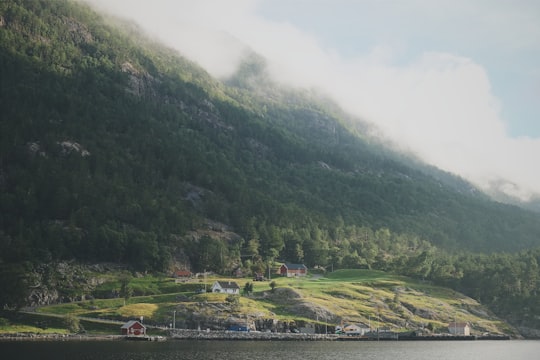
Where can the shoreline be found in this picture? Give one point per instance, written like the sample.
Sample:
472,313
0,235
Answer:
245,335
236,336
58,337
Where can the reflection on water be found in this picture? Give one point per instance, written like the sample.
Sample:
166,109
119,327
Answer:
274,350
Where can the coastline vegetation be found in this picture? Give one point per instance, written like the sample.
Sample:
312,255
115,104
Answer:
374,298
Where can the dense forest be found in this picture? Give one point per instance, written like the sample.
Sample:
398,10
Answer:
116,149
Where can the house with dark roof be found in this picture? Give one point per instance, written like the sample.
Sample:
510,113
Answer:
292,270
226,287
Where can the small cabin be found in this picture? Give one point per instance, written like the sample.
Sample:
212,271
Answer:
459,328
133,328
352,329
182,274
292,270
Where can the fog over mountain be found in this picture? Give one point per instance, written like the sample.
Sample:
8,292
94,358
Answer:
436,104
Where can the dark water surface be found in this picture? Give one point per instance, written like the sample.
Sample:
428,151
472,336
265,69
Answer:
274,350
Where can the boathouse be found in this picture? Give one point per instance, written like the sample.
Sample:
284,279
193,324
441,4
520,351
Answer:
459,328
133,328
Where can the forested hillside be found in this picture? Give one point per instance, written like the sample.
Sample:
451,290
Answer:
113,148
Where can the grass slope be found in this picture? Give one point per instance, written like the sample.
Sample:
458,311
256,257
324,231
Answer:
371,297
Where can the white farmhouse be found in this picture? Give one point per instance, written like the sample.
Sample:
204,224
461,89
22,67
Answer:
226,287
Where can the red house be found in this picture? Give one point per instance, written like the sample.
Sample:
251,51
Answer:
291,270
182,274
133,328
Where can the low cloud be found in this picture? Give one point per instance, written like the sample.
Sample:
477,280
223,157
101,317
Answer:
438,105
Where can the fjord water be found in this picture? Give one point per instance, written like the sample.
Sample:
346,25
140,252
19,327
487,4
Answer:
274,350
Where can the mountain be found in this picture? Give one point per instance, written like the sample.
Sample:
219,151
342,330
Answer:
111,143
116,149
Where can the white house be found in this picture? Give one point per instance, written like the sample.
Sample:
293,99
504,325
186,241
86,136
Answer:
226,287
352,329
459,328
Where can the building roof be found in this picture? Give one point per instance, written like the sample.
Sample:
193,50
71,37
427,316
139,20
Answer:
130,324
182,273
359,326
228,285
295,266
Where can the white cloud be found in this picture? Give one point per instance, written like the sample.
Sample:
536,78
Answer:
438,104
199,29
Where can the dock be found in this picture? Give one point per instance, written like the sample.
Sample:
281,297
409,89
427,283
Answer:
144,338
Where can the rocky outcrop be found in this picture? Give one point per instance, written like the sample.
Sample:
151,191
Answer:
42,295
79,32
68,147
140,83
61,282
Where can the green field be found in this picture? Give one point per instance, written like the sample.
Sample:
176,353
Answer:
361,296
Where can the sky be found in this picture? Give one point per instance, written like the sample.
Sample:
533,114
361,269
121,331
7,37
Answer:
457,83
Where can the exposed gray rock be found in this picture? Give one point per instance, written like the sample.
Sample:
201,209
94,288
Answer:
54,283
140,83
79,31
70,146
34,148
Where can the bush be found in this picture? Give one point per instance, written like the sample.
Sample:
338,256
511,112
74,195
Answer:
232,299
72,324
4,322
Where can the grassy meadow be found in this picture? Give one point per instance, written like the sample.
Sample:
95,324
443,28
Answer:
354,296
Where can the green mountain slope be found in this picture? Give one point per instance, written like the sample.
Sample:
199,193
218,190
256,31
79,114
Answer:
116,149
111,149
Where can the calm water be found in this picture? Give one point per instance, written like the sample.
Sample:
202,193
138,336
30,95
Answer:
251,350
